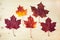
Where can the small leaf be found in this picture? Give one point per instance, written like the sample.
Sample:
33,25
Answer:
48,26
30,23
40,11
21,11
13,23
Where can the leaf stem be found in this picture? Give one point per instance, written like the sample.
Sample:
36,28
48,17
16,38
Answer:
48,33
31,33
39,18
14,33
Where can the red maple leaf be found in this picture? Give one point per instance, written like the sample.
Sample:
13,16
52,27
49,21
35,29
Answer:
40,11
48,26
13,23
30,23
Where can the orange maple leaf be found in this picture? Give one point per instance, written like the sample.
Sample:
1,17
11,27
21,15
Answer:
21,11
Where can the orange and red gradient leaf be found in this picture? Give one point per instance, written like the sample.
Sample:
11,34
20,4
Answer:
21,11
30,23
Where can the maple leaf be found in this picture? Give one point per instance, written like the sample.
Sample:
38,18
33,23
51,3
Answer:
40,11
48,26
21,11
30,23
13,23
